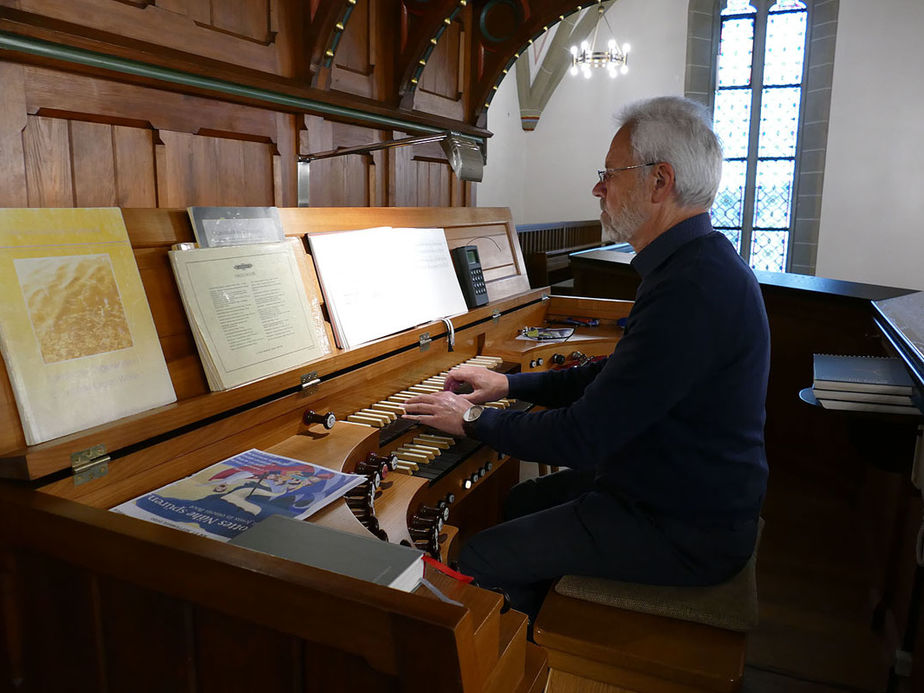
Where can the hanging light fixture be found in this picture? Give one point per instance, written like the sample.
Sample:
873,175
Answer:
614,58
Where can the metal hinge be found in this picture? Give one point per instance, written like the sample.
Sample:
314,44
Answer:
495,316
310,382
89,464
544,297
424,341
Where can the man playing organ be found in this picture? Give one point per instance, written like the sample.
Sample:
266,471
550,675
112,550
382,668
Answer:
663,441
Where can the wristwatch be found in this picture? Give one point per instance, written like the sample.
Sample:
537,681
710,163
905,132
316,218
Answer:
469,418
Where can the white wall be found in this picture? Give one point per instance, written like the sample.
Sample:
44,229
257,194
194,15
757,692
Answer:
872,212
547,174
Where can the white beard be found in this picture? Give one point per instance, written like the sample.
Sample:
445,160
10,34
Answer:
629,219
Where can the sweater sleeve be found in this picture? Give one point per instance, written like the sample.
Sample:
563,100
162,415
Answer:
667,350
553,388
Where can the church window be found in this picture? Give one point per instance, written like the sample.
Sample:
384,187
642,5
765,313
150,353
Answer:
760,74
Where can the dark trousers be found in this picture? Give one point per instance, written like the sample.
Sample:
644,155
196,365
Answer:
561,525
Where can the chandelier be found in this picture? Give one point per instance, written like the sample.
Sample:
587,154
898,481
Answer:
614,58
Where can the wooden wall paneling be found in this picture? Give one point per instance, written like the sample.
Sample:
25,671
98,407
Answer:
420,176
379,181
135,167
402,176
46,145
234,655
11,652
248,19
440,88
93,164
353,180
13,187
59,625
419,24
72,162
239,33
354,60
327,669
285,177
136,623
90,142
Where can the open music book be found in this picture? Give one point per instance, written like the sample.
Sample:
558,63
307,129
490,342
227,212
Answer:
231,496
383,280
248,310
76,331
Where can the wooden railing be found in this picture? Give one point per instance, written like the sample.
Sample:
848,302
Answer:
546,247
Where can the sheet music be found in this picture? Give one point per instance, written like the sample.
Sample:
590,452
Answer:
382,280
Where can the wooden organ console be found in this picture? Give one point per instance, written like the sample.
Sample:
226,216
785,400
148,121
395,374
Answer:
93,600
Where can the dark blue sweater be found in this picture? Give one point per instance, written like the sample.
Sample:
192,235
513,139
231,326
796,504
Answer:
673,419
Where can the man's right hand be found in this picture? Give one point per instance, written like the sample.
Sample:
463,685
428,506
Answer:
485,385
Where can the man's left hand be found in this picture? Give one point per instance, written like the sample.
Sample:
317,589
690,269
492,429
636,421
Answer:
442,410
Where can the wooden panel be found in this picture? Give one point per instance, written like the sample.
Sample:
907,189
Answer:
327,669
249,19
237,32
440,88
88,142
354,61
134,167
135,623
13,189
93,164
204,170
420,176
233,655
344,181
57,616
48,168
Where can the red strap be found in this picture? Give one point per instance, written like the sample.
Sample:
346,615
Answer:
443,568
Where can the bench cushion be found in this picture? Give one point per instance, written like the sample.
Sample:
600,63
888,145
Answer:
731,605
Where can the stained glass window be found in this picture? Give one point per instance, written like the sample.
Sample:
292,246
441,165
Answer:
759,81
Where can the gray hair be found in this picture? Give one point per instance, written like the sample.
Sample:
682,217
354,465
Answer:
678,131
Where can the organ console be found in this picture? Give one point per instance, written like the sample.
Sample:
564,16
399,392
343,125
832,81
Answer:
106,593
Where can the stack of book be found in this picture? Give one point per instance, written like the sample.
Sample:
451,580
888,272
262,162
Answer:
863,383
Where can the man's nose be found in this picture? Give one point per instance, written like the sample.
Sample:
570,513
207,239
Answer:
599,190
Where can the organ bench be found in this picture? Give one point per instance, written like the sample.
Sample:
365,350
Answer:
93,600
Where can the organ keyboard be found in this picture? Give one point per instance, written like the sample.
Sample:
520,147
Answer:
71,567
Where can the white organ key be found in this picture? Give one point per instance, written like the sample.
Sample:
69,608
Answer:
438,441
388,406
417,450
429,449
359,418
384,417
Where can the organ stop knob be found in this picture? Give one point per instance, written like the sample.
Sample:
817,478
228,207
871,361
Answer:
312,417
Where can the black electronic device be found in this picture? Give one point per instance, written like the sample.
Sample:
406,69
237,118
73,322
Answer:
468,270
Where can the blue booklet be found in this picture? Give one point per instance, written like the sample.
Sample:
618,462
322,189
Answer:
231,496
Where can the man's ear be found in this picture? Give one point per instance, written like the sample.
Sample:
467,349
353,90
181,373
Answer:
663,177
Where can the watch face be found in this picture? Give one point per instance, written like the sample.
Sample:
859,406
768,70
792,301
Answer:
472,413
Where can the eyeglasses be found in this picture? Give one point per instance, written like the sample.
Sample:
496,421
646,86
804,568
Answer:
607,172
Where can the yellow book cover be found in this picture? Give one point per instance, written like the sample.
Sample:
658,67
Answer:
76,330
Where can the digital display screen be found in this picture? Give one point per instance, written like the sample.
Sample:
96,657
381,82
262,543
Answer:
471,256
